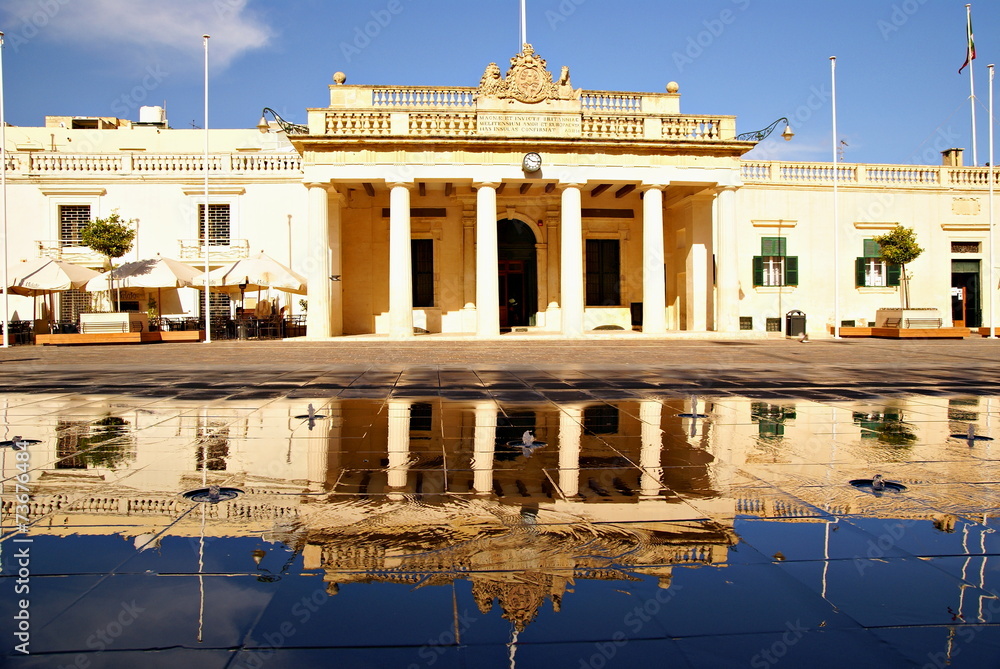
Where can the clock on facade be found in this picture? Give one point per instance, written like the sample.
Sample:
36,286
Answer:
532,162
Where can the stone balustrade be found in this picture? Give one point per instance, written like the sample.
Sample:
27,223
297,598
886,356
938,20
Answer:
852,174
422,111
43,164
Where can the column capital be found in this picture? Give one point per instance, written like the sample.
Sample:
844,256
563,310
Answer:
486,184
566,185
408,185
325,185
726,189
643,188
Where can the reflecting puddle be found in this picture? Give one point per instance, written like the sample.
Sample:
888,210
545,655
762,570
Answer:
697,531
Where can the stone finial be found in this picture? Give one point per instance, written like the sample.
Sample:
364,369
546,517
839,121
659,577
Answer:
673,87
339,78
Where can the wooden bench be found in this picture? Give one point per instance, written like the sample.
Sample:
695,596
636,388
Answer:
920,333
101,327
923,322
118,337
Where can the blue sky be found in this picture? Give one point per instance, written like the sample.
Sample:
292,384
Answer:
900,97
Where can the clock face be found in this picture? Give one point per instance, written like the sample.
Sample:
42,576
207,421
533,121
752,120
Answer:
532,162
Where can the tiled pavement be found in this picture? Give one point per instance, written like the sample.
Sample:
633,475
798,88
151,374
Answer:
365,368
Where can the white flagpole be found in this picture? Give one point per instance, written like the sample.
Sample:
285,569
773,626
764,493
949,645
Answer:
836,212
524,27
207,312
3,207
991,281
972,83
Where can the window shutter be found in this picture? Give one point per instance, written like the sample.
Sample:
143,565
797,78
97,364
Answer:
772,246
893,274
859,270
792,271
872,249
758,271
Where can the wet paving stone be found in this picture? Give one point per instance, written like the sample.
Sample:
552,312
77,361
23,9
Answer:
685,513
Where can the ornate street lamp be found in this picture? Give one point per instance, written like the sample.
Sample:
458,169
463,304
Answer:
761,135
286,127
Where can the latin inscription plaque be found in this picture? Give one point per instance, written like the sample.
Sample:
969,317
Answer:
529,125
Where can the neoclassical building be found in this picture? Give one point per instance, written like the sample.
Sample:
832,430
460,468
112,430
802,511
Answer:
520,204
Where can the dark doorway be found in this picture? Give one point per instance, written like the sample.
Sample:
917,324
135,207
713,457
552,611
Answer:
966,304
518,272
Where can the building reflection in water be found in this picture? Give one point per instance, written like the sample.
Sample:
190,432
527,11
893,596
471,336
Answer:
426,492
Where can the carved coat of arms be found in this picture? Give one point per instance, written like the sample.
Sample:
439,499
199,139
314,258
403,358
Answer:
527,80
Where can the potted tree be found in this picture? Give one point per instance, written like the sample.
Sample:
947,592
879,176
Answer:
112,237
899,247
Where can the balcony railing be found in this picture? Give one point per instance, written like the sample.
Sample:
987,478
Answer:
68,250
41,164
856,174
194,249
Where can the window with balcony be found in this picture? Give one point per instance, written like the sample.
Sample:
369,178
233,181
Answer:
218,224
72,218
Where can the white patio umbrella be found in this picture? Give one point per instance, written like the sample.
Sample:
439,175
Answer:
146,274
152,273
256,273
45,276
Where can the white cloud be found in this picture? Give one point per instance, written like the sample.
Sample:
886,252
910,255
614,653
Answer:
146,24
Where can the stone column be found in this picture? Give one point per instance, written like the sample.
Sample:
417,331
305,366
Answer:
650,413
696,269
487,267
570,432
541,267
571,253
336,267
484,442
318,320
398,443
553,310
400,275
654,289
727,276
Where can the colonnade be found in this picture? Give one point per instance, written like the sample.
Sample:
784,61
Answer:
325,314
569,445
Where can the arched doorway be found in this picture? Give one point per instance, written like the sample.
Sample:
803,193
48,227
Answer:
518,274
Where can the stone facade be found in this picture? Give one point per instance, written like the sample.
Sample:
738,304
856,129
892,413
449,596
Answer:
411,209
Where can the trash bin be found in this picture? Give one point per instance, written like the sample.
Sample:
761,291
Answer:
795,323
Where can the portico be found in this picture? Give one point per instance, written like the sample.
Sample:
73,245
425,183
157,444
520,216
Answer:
438,220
